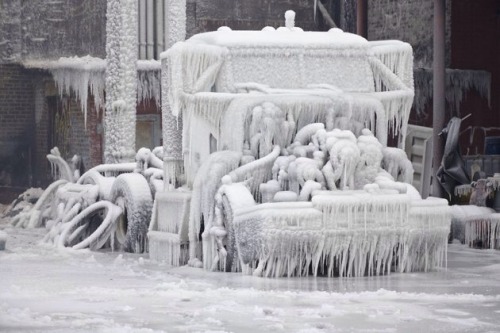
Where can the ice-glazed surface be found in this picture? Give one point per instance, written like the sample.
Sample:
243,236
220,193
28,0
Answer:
43,290
281,37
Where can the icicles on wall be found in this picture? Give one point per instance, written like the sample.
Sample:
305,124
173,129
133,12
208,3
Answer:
83,75
78,75
121,81
458,83
149,81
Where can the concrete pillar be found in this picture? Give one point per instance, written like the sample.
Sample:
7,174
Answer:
439,82
121,81
175,22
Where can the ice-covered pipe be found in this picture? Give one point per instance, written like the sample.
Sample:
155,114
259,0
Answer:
150,43
160,26
142,29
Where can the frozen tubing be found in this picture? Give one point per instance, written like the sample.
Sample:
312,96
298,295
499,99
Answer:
73,229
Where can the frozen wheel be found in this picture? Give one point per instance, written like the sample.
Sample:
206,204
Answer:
95,178
132,194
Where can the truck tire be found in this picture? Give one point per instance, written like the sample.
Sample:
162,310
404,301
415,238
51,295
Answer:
132,194
232,260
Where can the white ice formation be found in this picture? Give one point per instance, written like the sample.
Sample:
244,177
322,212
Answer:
80,76
460,214
121,81
77,75
483,231
285,153
107,206
275,158
149,81
458,83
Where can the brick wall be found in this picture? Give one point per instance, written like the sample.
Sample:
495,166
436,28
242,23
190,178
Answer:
40,29
208,15
16,123
410,21
78,138
41,169
95,132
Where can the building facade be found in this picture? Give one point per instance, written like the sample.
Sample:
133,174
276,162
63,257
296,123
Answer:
37,114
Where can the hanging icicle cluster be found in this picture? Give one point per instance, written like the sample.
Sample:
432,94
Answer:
483,231
354,234
458,83
77,75
149,81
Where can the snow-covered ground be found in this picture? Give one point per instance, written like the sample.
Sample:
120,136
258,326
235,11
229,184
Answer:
43,289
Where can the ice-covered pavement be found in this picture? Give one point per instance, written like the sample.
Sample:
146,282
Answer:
47,290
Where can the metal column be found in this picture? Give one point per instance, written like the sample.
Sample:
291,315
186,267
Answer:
439,82
362,18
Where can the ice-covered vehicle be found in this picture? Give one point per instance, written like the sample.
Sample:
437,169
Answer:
276,159
275,162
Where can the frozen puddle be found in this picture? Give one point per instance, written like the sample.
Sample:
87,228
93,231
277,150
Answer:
45,290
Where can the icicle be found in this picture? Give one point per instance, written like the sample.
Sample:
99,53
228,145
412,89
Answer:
203,62
483,231
458,83
78,75
165,247
149,81
463,190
